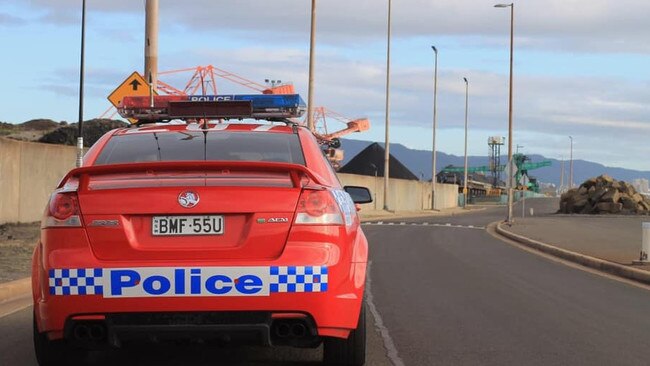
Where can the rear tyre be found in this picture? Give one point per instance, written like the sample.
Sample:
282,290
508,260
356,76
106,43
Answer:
351,351
53,353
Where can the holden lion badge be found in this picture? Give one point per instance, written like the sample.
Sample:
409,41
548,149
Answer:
188,199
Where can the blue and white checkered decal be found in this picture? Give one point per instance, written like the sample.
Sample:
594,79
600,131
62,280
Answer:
76,281
187,281
298,279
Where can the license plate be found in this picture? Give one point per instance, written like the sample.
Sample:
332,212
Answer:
187,225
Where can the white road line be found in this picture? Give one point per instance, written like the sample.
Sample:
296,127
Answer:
448,225
389,345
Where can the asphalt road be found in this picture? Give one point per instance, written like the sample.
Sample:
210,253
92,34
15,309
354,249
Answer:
446,294
458,296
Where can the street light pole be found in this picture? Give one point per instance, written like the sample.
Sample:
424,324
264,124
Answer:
435,127
510,107
571,165
387,142
312,56
466,120
80,136
561,173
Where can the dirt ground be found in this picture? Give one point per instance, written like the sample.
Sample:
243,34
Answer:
17,243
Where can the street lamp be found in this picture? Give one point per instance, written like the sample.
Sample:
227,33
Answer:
312,56
466,119
435,126
510,163
571,165
387,142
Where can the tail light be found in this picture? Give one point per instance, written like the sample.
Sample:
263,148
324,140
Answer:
318,208
63,211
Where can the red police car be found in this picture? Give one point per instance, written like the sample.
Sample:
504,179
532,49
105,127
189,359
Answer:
233,233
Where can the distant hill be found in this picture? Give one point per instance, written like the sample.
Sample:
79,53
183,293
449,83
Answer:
41,125
92,131
419,162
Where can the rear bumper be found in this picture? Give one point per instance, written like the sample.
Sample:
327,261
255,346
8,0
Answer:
334,310
314,276
254,328
333,314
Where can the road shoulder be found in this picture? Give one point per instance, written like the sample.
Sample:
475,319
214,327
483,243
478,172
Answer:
583,260
15,296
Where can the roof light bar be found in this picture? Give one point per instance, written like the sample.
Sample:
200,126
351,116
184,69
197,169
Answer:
167,107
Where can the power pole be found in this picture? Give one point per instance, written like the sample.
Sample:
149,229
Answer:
387,147
312,56
561,173
151,44
465,195
510,112
510,108
435,126
571,165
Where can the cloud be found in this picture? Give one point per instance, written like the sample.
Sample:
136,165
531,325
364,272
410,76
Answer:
543,104
577,25
65,82
10,20
608,117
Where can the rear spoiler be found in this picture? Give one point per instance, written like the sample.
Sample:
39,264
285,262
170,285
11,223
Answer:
296,171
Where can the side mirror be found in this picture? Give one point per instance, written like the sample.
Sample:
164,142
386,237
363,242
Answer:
359,195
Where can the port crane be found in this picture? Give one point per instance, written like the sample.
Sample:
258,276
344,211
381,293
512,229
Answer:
523,164
203,81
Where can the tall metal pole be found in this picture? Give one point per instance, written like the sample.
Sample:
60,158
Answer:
571,165
561,173
387,142
466,119
435,127
80,137
510,108
312,56
151,43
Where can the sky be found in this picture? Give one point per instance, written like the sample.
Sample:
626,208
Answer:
580,65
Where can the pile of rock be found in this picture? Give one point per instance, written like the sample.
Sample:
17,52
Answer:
604,195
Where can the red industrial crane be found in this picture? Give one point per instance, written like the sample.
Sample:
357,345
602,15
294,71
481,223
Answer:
331,140
204,81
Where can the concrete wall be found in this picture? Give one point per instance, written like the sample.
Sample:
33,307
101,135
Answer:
404,195
30,171
28,174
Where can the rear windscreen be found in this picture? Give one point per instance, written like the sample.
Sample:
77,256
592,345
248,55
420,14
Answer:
197,145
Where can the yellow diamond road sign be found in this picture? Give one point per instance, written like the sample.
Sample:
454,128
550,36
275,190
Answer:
134,86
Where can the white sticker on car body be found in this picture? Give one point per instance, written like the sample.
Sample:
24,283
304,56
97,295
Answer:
140,282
